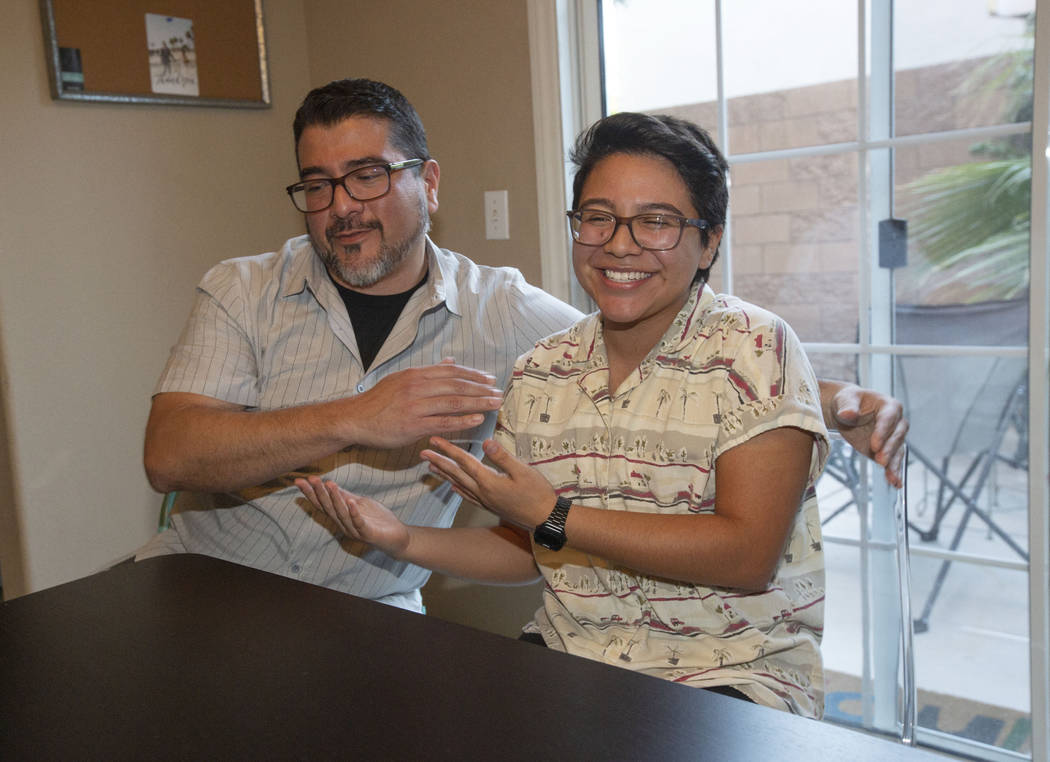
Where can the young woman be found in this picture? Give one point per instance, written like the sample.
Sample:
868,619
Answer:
663,451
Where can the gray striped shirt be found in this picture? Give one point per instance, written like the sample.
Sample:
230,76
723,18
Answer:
271,331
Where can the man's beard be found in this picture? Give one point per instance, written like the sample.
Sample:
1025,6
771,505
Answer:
344,261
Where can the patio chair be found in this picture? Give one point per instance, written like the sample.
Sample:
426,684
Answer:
961,410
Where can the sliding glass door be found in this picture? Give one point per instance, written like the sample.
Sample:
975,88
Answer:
882,203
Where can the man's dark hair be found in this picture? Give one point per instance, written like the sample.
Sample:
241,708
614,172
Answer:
689,148
334,102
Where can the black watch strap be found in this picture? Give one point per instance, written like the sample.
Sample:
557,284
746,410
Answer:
551,533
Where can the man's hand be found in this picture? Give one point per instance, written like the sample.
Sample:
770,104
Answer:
204,444
517,492
417,402
361,518
872,423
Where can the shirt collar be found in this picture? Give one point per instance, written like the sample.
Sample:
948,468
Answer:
307,271
686,325
590,355
683,329
310,272
441,279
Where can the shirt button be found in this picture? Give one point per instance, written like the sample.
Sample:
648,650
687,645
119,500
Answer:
296,568
360,387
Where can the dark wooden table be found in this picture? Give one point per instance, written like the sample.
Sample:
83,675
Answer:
188,657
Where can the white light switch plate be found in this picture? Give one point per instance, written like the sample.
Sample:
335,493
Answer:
497,224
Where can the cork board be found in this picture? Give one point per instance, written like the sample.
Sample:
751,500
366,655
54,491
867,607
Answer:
190,52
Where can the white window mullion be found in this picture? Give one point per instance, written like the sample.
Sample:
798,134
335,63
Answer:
723,140
863,199
875,201
1038,394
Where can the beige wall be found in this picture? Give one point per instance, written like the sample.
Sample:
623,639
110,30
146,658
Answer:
118,211
109,214
465,67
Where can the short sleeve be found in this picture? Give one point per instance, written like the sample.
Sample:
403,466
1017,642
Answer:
772,385
214,356
537,314
506,422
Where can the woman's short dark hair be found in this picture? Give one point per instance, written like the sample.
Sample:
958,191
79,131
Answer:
343,98
688,147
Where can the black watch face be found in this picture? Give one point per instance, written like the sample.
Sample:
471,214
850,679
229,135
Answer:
551,533
549,538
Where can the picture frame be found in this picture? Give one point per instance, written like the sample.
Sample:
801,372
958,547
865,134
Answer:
180,52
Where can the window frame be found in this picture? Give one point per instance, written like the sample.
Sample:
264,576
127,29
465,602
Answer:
567,96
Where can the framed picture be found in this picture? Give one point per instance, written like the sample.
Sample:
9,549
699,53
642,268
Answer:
187,52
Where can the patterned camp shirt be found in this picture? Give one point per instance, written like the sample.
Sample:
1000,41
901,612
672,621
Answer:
724,372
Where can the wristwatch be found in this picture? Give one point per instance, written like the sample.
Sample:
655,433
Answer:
551,533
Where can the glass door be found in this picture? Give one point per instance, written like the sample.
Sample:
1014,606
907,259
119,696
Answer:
881,203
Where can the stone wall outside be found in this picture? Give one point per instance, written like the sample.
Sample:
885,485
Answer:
795,221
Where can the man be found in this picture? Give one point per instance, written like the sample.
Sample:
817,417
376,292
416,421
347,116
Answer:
339,354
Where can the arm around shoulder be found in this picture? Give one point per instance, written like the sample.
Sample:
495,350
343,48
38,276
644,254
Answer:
871,422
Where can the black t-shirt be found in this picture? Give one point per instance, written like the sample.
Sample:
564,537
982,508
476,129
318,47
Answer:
373,317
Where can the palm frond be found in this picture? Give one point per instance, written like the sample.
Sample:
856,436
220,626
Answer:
996,268
957,208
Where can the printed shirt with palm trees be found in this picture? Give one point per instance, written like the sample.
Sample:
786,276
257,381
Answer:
724,372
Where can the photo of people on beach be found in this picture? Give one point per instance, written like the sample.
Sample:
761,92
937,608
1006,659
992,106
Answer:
172,57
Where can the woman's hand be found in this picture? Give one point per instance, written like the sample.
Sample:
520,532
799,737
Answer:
361,518
517,493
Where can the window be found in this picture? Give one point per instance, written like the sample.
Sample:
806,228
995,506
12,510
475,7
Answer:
882,179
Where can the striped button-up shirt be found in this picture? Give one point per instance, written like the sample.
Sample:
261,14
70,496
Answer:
270,332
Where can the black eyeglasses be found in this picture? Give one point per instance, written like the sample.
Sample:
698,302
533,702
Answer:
656,232
363,184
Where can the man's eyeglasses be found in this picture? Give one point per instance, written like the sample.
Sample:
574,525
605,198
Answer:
363,184
656,232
